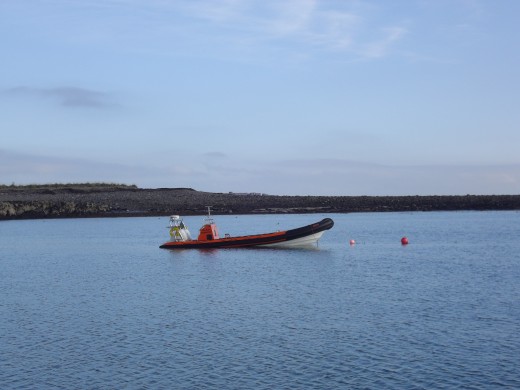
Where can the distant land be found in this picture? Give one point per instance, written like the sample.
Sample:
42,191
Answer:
118,200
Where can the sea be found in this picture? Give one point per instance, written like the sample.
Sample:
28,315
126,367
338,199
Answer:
95,304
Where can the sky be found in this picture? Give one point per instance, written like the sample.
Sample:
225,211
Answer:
294,97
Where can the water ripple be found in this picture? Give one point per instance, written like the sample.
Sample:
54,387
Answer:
112,311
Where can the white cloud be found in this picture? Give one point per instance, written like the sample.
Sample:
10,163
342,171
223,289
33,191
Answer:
381,47
215,11
299,26
291,17
337,29
305,24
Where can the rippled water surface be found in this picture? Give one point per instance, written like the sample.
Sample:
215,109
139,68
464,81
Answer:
94,303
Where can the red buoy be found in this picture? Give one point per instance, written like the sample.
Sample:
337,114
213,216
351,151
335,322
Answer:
404,241
352,242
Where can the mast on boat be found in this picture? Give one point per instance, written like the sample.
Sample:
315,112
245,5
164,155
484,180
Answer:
209,219
209,230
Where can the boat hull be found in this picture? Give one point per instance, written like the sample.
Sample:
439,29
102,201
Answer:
300,237
311,240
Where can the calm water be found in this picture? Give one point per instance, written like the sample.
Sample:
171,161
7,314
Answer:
94,303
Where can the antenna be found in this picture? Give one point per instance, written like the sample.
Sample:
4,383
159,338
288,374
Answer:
208,218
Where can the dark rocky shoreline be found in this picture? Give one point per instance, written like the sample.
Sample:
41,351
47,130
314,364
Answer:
108,200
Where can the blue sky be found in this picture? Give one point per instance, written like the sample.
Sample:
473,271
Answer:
297,97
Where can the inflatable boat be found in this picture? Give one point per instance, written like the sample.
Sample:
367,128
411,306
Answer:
180,237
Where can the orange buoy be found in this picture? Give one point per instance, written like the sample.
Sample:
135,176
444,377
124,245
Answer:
352,242
404,241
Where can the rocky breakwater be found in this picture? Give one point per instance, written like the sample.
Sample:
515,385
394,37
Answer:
107,200
54,201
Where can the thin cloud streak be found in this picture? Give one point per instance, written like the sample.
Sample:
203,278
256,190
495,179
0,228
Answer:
22,168
221,173
65,96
